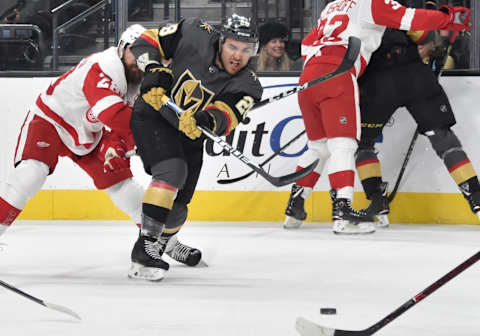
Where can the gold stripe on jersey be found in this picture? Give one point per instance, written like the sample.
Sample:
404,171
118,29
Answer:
160,197
369,170
415,35
222,106
463,173
151,36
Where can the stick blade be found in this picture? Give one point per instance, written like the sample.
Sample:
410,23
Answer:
293,177
236,179
62,309
307,328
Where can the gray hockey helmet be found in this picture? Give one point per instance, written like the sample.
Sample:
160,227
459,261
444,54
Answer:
239,28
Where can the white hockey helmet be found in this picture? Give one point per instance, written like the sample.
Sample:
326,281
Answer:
129,36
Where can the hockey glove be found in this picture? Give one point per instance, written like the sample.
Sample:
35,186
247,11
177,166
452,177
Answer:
157,82
459,18
211,118
188,125
112,151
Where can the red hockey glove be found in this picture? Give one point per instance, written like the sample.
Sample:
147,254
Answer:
112,150
459,18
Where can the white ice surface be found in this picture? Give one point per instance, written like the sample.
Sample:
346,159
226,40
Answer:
260,279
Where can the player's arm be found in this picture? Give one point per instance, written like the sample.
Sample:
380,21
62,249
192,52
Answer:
391,14
151,49
308,43
106,105
221,117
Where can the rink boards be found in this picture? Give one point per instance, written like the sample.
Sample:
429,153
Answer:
427,194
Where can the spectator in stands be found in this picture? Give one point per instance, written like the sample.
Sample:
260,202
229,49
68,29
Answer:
34,12
139,10
273,55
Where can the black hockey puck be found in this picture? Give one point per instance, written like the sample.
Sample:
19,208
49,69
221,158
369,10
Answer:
328,311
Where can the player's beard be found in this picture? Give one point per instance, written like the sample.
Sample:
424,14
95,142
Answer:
133,74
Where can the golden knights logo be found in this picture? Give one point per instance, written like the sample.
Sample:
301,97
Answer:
189,94
206,26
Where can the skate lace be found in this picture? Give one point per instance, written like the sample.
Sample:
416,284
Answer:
180,252
153,248
347,205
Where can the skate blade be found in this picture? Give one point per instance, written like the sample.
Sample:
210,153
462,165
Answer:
292,223
343,227
201,264
141,272
382,222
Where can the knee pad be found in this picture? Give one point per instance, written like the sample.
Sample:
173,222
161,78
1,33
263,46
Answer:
176,218
317,149
365,154
24,182
444,141
127,195
172,171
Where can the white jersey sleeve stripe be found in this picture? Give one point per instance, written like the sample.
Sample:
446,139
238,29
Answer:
407,18
104,104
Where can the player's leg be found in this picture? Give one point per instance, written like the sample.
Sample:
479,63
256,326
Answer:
36,156
341,120
382,91
374,118
160,147
125,192
174,248
370,175
301,190
450,150
434,116
317,149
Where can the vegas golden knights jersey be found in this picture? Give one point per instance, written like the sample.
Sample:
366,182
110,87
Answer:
198,82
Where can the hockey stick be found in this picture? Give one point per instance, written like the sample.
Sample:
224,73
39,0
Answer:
276,181
391,196
270,158
348,61
438,72
308,328
53,306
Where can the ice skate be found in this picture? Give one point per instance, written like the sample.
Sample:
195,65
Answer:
187,255
379,207
347,220
147,263
295,210
473,200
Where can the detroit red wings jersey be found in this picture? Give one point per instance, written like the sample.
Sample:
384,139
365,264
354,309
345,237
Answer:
95,89
367,20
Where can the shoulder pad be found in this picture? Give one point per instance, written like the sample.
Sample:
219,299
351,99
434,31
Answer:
112,66
246,81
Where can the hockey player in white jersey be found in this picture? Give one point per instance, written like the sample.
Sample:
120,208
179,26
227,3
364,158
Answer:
331,109
70,119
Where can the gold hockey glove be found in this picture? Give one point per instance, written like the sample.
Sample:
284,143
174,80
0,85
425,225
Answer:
188,125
